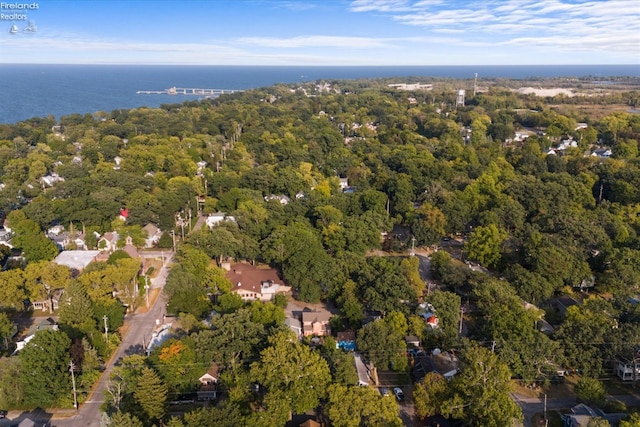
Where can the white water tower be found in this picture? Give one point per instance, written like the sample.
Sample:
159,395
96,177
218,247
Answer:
460,98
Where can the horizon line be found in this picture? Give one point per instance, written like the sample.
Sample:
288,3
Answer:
324,65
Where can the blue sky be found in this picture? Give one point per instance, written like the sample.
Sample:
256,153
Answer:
324,32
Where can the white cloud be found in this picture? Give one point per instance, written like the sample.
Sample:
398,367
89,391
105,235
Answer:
313,41
596,26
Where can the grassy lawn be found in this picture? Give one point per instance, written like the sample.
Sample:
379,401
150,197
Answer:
562,388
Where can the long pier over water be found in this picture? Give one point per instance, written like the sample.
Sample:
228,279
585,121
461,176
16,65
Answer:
187,91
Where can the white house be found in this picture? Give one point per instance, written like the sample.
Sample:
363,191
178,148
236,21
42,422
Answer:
284,200
216,218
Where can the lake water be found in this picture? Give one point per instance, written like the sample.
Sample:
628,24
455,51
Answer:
41,90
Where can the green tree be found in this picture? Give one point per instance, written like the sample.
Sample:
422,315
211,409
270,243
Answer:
598,422
223,415
185,293
124,419
484,244
11,392
151,394
383,345
590,391
175,361
354,406
13,291
76,309
633,420
429,393
350,304
34,244
267,313
481,392
7,328
46,358
232,340
293,369
447,307
428,224
43,278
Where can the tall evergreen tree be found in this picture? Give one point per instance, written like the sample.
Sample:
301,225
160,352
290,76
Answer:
151,394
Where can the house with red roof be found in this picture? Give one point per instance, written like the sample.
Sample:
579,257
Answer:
253,283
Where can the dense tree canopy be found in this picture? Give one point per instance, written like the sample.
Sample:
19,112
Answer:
313,180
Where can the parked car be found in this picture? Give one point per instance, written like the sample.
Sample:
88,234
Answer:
3,414
384,392
399,394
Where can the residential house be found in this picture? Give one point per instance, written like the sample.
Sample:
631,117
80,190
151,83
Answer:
131,250
50,180
252,283
565,144
201,165
428,313
208,384
624,368
316,323
284,200
563,303
124,214
364,378
44,324
295,325
76,260
440,362
49,304
603,153
412,341
5,236
310,423
153,235
216,218
108,241
344,183
581,415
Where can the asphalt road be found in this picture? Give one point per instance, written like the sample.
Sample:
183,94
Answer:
535,405
139,328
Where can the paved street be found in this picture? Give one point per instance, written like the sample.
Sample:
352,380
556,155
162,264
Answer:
139,328
534,405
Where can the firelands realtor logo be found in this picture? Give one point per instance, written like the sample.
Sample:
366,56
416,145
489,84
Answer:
19,12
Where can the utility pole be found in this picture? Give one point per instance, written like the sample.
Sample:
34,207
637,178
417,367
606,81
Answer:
546,420
146,290
106,328
73,380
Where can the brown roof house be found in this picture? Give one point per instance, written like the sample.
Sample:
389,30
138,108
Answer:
253,283
316,323
208,384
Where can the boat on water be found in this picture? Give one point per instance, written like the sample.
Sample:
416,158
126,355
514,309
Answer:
13,29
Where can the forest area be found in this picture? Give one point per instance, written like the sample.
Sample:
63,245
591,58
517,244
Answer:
540,195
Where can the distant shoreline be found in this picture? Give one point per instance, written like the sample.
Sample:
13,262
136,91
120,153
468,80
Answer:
39,90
